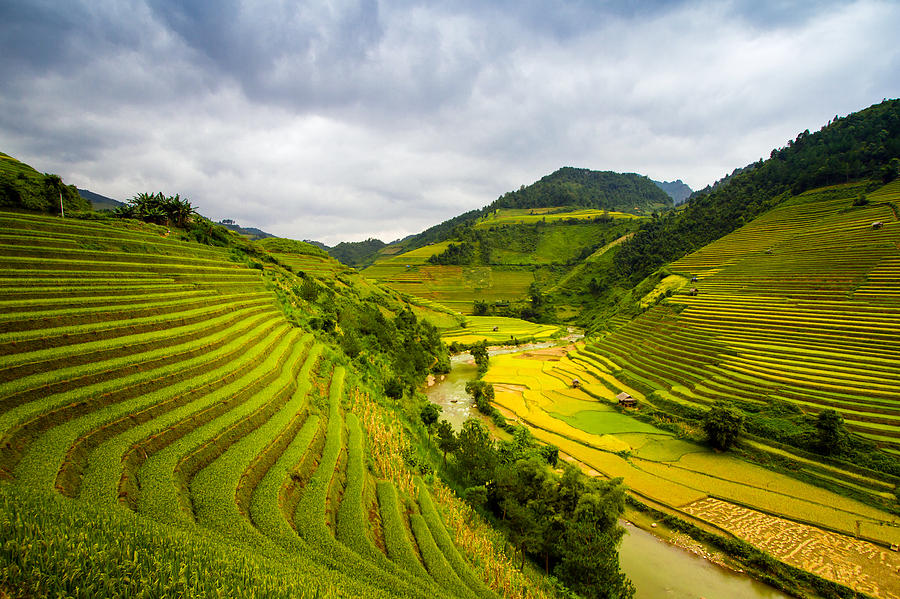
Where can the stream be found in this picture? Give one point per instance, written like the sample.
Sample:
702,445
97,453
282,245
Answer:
656,567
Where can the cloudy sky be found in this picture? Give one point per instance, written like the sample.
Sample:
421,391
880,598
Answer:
339,120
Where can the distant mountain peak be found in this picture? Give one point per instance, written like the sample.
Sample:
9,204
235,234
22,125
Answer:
677,190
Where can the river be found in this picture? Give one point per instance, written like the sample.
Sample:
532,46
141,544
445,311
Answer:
657,568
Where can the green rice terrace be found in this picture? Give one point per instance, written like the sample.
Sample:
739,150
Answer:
164,416
513,249
794,313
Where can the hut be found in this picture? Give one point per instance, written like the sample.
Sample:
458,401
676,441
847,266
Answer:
626,400
496,329
576,383
877,224
693,291
694,279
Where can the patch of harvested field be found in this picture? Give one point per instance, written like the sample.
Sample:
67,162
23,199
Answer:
858,564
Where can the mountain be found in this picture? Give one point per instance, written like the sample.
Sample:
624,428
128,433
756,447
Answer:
249,232
99,202
23,187
677,190
581,187
358,254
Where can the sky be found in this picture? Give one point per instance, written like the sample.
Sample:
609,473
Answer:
347,119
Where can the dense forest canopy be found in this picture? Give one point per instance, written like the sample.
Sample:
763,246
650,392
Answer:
606,190
358,254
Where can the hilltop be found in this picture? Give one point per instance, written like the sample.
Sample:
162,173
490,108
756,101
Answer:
23,187
677,190
99,202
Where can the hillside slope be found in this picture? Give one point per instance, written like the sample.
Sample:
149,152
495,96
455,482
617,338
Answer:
793,314
184,420
502,259
23,187
861,146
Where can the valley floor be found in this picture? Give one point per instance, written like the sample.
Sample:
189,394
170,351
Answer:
835,537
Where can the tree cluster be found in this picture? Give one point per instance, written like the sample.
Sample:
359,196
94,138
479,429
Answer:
566,522
411,348
158,209
457,254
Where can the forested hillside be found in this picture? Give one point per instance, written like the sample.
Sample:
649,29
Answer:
581,187
501,263
862,145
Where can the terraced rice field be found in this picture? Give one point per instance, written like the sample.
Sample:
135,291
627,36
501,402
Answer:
536,388
156,406
482,328
829,555
521,216
800,305
456,287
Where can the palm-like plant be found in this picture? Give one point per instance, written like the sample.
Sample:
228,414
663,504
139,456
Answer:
180,211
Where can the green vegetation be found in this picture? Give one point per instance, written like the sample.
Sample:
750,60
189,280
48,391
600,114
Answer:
358,254
158,209
603,190
170,408
277,245
568,521
723,425
22,187
857,147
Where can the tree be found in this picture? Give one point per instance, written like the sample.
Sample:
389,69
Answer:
483,394
528,496
475,453
832,436
179,211
446,438
588,560
309,289
430,414
482,360
54,182
723,424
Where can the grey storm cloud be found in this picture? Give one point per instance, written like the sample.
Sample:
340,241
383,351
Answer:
345,119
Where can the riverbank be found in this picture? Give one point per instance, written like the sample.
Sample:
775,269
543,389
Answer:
713,575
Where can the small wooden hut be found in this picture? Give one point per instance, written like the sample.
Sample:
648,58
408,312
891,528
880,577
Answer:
877,224
626,400
576,383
